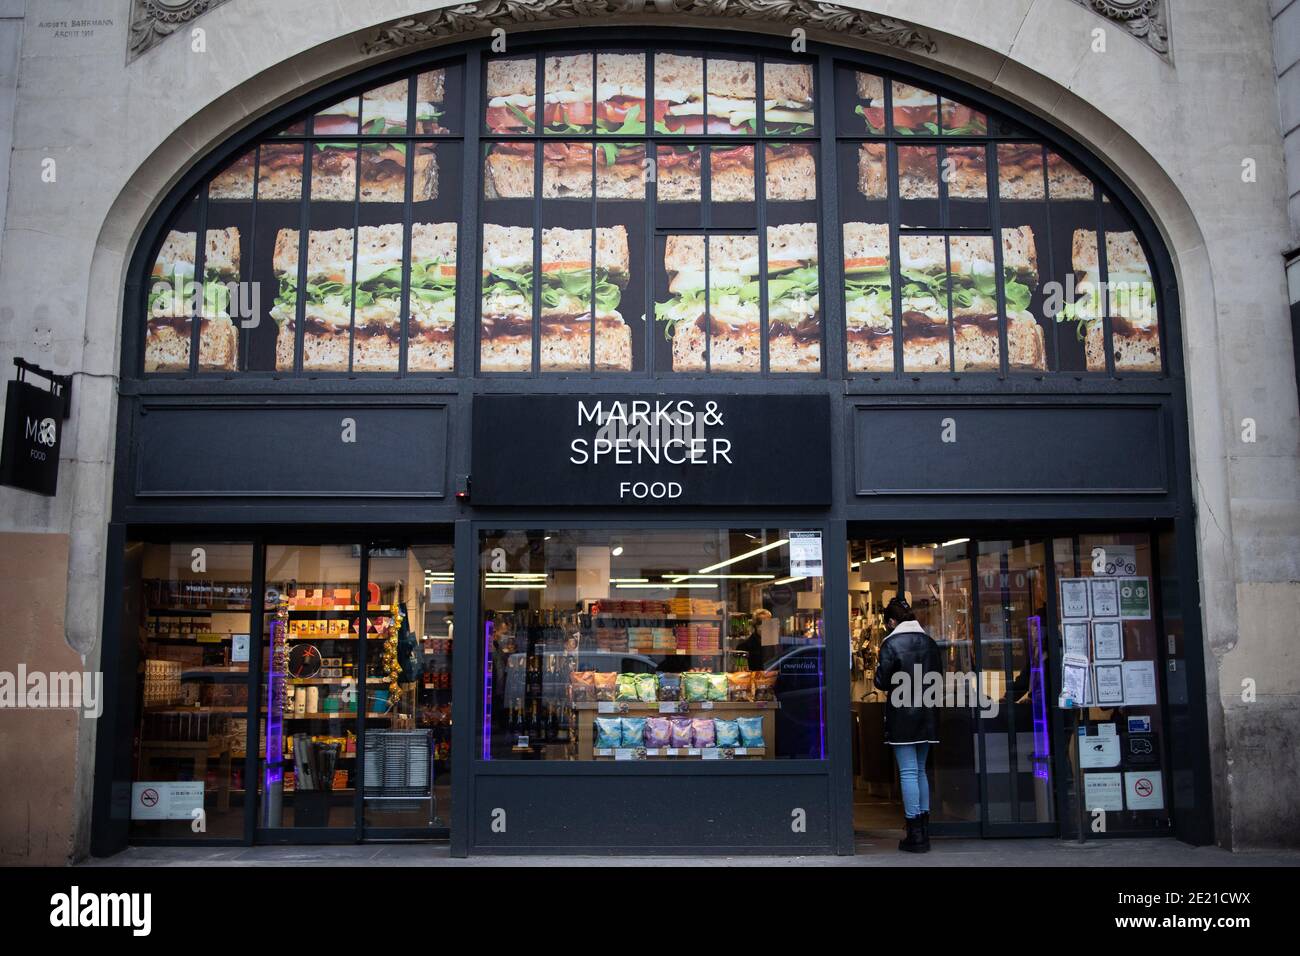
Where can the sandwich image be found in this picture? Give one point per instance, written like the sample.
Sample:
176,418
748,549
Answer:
924,303
789,169
370,335
721,334
1135,331
567,308
384,109
974,302
787,98
868,307
174,295
1020,174
793,299
618,106
915,111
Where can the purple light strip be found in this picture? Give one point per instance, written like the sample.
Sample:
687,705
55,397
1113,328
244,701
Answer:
487,690
274,772
821,689
1042,739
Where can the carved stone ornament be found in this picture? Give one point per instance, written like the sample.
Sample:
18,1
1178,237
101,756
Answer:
152,21
1145,19
486,15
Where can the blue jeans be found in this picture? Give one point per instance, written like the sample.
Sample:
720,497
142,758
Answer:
911,776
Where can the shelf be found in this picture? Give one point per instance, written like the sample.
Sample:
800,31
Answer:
692,706
330,637
332,681
690,753
714,619
214,673
343,715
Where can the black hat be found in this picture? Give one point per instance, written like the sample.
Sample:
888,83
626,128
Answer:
899,610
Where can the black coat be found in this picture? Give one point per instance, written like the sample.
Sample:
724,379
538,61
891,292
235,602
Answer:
902,652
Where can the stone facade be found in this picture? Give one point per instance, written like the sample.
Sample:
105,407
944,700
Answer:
120,121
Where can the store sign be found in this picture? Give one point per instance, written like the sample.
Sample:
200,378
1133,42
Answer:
738,450
32,435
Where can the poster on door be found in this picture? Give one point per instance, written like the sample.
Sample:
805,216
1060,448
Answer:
166,800
1103,791
806,554
1135,599
1144,790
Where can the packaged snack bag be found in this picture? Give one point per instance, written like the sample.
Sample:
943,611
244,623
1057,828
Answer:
634,732
764,685
727,733
606,685
670,686
717,687
740,685
647,687
609,733
702,733
625,687
679,729
582,686
658,732
751,731
697,686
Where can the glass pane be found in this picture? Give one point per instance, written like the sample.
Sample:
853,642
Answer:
958,119
508,170
408,717
1131,299
1026,341
794,328
938,586
566,328
192,708
327,310
620,93
236,180
510,91
568,86
1081,312
918,186
788,99
314,678
925,303
679,186
431,342
507,307
731,174
863,99
284,312
172,293
218,336
915,110
1013,665
679,93
620,171
873,171
965,171
790,172
341,119
621,286
603,645
280,172
873,582
681,315
377,332
868,306
974,303
437,101
1064,181
1115,624
732,97
1020,171
334,172
734,315
384,110
567,173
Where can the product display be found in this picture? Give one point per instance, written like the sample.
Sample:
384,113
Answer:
703,732
751,731
726,733
633,732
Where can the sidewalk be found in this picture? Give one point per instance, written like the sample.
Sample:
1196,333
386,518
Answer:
872,851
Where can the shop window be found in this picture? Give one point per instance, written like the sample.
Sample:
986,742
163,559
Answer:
192,605
650,645
612,151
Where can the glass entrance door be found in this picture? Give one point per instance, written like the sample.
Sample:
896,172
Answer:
985,604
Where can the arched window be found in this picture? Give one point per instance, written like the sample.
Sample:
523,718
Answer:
699,208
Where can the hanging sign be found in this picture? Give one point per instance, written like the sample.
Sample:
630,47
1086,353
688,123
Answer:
33,431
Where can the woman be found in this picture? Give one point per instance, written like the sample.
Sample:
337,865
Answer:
907,654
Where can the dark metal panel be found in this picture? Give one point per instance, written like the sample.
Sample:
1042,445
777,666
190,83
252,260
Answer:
836,682
464,701
111,802
292,449
645,813
1009,448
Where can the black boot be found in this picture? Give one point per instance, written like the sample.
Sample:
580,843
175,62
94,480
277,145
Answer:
924,820
912,842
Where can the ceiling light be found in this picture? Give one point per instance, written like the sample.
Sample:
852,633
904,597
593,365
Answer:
791,579
616,550
742,557
629,580
729,577
954,541
666,587
520,586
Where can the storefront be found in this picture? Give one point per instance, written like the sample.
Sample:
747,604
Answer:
545,498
